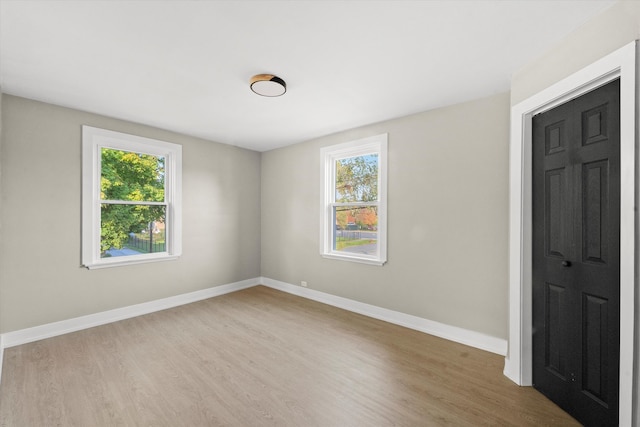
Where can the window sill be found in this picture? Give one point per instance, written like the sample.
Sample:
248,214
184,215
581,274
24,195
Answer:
121,263
370,261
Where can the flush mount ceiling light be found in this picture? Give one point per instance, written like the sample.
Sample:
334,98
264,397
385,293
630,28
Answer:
268,85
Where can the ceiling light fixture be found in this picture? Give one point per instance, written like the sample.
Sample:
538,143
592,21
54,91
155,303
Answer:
268,85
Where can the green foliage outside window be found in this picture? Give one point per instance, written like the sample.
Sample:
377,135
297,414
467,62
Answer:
129,176
357,181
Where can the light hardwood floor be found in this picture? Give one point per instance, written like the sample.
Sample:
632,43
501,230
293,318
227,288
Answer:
260,357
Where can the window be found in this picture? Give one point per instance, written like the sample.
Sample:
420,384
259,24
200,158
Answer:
131,201
354,201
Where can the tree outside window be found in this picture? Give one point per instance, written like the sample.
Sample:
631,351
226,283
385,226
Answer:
356,180
131,177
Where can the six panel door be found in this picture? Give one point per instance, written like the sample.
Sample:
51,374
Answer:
576,255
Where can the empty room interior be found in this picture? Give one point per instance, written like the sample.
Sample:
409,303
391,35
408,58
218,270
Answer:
319,213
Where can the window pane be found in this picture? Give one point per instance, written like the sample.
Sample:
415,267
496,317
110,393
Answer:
356,229
132,229
357,179
126,175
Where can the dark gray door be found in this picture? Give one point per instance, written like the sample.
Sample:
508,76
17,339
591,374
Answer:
576,255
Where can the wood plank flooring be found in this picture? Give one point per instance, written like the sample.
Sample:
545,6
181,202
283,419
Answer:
260,357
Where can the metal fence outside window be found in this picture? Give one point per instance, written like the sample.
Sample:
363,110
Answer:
145,245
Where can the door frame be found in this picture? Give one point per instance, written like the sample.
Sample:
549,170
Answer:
618,64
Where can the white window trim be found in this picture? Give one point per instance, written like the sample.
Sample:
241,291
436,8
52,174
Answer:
328,156
93,140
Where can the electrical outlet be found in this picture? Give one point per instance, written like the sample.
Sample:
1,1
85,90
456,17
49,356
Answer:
303,284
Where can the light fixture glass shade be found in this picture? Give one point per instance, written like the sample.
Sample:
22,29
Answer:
268,85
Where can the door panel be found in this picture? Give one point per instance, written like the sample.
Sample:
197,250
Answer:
576,255
595,345
596,222
594,125
555,355
556,223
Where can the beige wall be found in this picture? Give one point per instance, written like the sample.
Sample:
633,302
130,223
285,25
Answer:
614,28
447,219
41,280
447,209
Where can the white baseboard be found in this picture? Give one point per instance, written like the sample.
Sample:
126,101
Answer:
451,333
511,372
23,336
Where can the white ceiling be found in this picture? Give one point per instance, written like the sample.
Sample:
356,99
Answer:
185,65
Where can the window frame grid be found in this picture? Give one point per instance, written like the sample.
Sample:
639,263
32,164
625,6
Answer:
93,141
